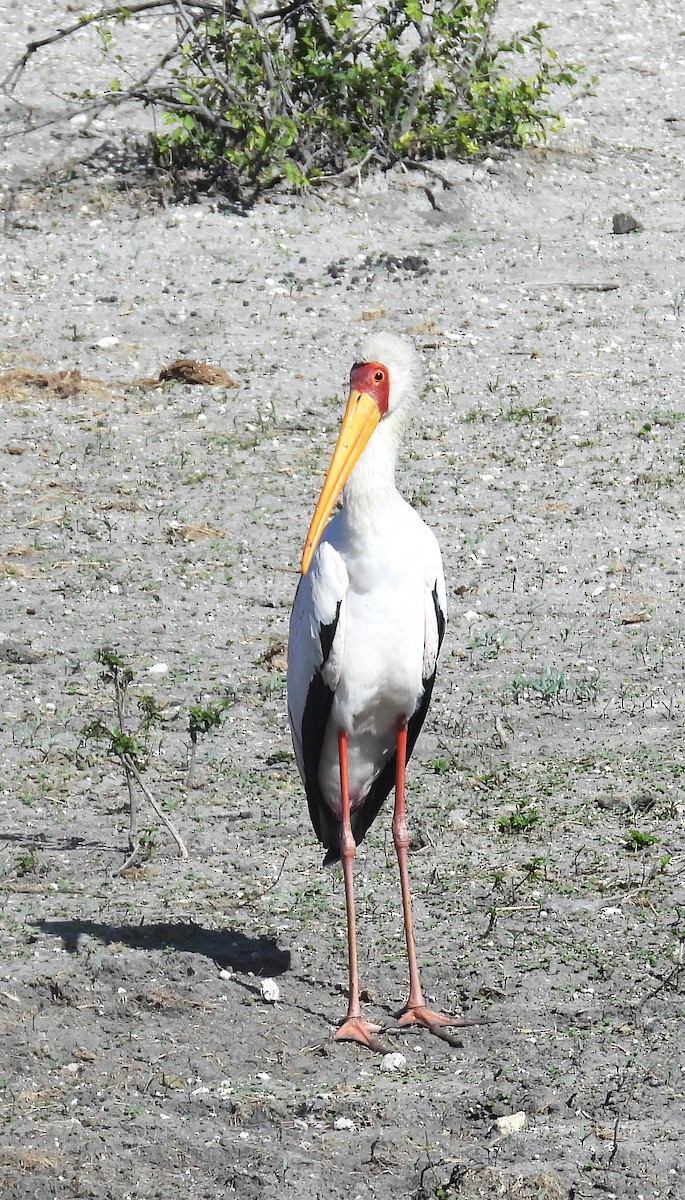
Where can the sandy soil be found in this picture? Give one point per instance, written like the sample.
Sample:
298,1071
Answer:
138,1054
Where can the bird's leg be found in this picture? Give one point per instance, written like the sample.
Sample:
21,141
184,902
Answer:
415,1011
354,1028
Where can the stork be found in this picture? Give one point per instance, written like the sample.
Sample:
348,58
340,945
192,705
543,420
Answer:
365,632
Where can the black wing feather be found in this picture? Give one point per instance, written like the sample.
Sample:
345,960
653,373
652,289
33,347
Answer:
317,711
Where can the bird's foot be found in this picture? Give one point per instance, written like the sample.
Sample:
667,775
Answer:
435,1022
356,1029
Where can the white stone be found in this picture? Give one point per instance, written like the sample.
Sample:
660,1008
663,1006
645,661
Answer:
393,1062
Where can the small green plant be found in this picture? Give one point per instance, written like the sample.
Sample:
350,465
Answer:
202,719
130,749
499,877
636,840
440,766
279,756
548,685
27,863
522,413
524,818
535,869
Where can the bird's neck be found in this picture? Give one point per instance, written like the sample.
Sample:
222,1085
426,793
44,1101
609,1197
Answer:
372,483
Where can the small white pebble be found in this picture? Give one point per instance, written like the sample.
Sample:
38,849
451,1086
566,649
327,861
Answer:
345,1123
393,1062
270,991
513,1123
159,668
225,974
105,342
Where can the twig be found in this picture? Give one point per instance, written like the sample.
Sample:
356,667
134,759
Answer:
514,908
501,733
347,171
131,860
120,702
10,996
131,766
575,287
117,10
431,198
614,1140
123,12
137,91
414,165
220,78
265,891
664,982
274,78
192,755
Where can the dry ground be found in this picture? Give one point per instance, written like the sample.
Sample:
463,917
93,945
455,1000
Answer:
138,1056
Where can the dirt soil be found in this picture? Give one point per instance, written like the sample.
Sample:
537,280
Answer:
142,1051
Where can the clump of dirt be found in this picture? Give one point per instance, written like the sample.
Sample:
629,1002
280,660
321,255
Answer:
187,370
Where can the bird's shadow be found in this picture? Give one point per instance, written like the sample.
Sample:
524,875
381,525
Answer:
228,948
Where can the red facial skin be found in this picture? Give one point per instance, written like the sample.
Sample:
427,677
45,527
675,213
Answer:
374,379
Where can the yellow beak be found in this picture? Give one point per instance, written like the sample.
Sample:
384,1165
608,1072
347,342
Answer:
361,418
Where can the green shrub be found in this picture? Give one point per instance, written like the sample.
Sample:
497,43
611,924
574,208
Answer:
320,89
252,97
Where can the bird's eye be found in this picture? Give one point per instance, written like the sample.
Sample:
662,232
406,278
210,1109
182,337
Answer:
379,377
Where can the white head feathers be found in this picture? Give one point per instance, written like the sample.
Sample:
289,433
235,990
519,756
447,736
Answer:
402,361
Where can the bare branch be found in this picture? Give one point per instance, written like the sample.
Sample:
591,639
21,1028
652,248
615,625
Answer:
131,766
116,11
353,170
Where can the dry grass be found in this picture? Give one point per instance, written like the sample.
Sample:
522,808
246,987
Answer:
492,1183
26,1159
9,569
176,534
19,382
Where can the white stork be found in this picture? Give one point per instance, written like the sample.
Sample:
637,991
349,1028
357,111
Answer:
365,632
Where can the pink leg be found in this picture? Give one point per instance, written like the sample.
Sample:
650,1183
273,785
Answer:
415,1011
354,1028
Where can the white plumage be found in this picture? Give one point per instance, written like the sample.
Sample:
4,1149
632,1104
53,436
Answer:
379,576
